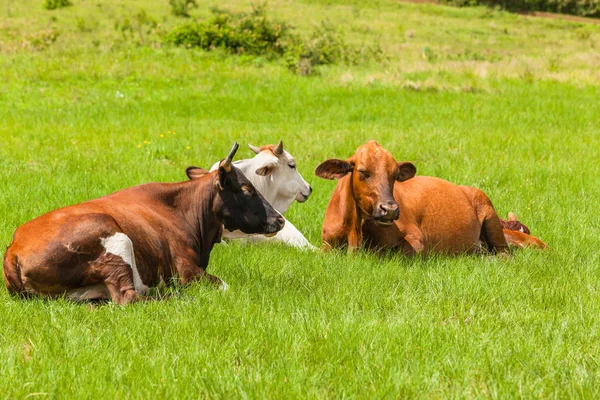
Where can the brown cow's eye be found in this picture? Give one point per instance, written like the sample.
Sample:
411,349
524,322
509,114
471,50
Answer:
364,174
247,191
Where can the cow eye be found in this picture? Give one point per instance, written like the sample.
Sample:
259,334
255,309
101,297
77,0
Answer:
363,173
292,166
247,191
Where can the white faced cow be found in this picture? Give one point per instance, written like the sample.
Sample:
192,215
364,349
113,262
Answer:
273,173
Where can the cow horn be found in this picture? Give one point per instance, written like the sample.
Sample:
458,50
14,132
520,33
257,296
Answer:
278,150
255,149
226,163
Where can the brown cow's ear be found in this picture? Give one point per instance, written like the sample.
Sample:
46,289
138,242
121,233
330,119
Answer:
221,179
512,217
195,172
406,170
333,169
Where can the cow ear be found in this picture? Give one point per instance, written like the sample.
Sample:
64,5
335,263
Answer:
406,170
512,217
221,179
268,166
195,172
333,169
267,169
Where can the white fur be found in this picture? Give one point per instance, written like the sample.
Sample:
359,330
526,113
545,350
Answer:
223,286
280,188
99,291
120,245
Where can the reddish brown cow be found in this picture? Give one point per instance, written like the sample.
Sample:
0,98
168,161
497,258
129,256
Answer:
119,245
380,203
518,235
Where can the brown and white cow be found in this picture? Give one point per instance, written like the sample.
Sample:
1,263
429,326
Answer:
518,235
380,203
119,245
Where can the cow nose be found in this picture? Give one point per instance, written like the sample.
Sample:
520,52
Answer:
390,208
309,189
281,220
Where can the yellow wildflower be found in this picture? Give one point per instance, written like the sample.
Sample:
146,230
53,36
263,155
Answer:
187,147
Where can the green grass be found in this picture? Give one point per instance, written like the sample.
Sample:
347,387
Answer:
522,124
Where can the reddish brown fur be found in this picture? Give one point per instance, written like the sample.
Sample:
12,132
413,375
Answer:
435,215
173,228
518,235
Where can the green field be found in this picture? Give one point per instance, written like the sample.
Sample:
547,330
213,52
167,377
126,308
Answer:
506,103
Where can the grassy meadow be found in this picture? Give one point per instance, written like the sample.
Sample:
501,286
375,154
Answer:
507,103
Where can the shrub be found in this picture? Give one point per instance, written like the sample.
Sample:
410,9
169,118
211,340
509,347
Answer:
588,8
140,25
254,33
326,45
40,40
181,8
238,33
54,4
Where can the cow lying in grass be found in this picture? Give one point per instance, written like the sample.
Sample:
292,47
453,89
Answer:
119,245
380,203
274,174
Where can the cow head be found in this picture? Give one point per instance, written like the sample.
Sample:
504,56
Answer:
373,173
238,205
279,167
513,224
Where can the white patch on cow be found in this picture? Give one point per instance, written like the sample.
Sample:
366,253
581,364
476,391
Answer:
223,286
92,292
120,245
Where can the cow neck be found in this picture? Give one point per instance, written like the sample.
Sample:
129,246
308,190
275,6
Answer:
356,213
195,202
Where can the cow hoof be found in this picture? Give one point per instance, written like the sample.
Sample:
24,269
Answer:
223,286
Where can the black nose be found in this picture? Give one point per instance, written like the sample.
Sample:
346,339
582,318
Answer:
389,209
281,220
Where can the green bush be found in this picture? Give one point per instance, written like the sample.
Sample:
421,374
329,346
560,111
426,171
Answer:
181,8
587,8
238,33
254,33
54,4
326,45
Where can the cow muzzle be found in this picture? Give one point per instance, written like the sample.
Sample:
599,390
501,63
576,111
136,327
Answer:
386,213
274,226
301,197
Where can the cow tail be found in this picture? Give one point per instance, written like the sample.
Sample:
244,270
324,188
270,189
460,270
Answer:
12,273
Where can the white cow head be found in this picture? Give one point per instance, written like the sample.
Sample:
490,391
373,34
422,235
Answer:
273,172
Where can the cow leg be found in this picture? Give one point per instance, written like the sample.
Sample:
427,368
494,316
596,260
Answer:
413,242
118,278
491,229
521,239
189,270
118,268
491,232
